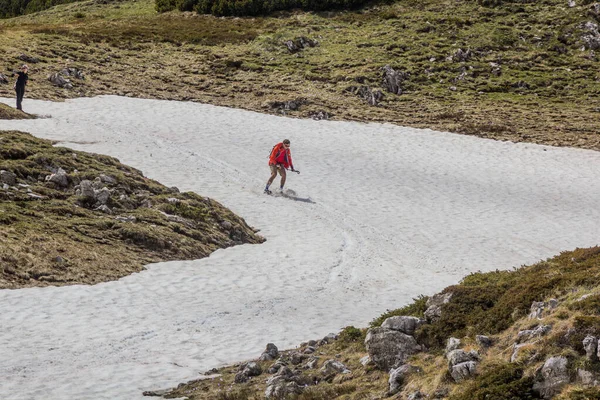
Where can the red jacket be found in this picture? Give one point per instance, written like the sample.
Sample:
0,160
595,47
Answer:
281,155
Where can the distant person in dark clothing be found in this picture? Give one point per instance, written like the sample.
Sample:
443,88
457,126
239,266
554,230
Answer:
22,79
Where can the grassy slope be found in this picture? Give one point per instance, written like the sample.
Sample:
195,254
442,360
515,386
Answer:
494,304
7,112
61,239
546,93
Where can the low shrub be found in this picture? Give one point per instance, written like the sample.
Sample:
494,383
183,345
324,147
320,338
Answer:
504,382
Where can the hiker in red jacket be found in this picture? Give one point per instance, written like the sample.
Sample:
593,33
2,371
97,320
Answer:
279,161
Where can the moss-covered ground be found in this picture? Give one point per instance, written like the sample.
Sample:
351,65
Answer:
530,76
52,234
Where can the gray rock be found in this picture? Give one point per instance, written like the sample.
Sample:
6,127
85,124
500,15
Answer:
72,72
282,390
366,360
297,358
366,93
60,178
415,396
58,80
452,344
104,208
108,179
334,367
434,305
240,377
552,377
312,363
403,324
86,190
590,345
3,79
460,356
529,334
591,36
516,349
8,177
388,348
103,195
29,59
270,353
461,55
588,378
571,3
463,370
309,350
483,341
246,371
300,43
398,377
392,79
226,225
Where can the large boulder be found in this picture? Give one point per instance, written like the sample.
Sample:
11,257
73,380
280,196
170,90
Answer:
388,348
403,324
551,377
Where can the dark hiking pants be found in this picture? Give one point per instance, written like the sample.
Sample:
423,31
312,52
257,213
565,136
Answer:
20,93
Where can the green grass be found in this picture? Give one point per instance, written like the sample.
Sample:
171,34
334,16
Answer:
96,246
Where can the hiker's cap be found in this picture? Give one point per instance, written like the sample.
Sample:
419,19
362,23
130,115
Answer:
24,66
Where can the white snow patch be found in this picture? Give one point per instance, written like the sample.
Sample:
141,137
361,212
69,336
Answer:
394,212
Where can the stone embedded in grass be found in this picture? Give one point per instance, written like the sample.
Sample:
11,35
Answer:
392,79
398,377
3,79
483,341
8,177
590,345
271,352
551,377
366,93
462,371
540,308
388,348
334,367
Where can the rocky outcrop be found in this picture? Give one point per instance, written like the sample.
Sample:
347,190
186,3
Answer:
590,345
404,324
591,36
246,371
539,309
392,79
366,93
462,364
388,348
434,305
551,377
